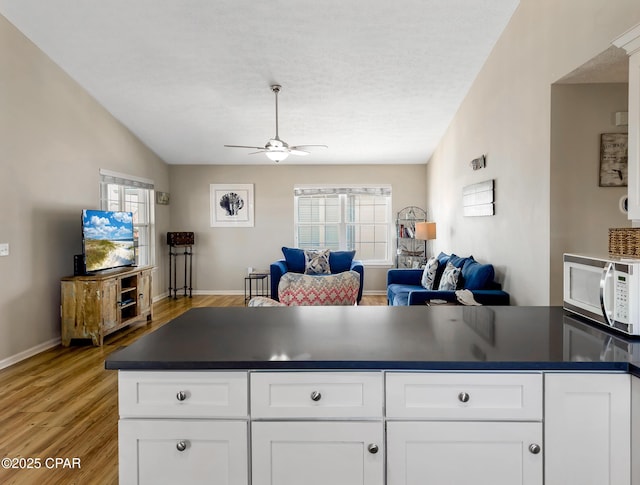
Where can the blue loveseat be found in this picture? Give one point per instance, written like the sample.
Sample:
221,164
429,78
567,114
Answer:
339,262
404,285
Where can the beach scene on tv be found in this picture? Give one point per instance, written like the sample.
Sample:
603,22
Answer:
108,239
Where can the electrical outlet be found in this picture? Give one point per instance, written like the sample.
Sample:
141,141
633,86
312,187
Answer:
4,249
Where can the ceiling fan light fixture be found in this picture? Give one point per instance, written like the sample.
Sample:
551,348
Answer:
277,155
276,149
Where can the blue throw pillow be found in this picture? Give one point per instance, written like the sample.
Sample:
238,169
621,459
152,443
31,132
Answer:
477,276
458,261
340,261
294,258
443,259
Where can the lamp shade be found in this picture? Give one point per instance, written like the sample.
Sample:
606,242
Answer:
425,230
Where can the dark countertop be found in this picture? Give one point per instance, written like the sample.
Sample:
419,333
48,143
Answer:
374,337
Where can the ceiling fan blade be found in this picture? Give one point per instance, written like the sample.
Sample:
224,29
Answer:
244,146
261,150
294,151
304,147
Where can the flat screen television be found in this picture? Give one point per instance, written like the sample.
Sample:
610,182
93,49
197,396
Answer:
107,240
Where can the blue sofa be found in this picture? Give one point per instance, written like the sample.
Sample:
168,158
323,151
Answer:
404,285
339,261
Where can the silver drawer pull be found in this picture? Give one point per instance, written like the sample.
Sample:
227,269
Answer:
373,448
316,396
181,445
181,396
464,397
534,448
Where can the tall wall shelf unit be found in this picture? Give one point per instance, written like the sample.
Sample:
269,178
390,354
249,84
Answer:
409,250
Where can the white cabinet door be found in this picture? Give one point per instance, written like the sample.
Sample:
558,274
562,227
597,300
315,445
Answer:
457,453
630,41
155,452
587,429
317,453
635,429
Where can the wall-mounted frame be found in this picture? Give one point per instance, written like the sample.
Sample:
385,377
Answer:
478,199
613,159
231,205
162,198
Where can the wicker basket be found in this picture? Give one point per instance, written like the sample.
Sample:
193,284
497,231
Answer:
624,242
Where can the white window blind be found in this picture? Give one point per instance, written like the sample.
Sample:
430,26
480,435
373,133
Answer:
345,218
120,192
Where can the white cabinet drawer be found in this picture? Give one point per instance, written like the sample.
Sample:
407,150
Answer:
501,397
159,394
165,451
316,395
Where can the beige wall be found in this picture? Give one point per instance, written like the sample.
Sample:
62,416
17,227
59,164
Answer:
582,211
506,115
222,255
54,138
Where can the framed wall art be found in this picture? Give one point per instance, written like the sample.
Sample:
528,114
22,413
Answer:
613,160
231,205
162,198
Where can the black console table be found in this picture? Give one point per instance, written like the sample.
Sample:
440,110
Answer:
261,281
180,244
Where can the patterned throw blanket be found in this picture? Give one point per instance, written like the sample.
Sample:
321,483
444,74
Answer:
297,289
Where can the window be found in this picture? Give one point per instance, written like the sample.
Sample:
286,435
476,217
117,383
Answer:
345,218
120,192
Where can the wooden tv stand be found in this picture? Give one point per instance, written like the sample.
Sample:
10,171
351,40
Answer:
95,305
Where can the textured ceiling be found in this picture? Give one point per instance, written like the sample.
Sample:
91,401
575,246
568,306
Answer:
376,81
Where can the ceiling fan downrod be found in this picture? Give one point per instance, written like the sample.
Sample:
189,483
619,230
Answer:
276,89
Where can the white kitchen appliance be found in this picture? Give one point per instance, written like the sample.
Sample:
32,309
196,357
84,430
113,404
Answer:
604,290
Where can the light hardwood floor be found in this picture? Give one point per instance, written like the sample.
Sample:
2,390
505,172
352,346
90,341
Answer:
62,403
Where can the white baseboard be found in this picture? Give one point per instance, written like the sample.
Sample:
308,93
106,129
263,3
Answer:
14,359
161,296
218,292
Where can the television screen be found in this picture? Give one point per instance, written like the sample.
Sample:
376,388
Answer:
108,240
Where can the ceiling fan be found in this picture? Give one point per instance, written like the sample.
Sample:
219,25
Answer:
276,149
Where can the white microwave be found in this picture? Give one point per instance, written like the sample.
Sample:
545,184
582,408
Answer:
603,290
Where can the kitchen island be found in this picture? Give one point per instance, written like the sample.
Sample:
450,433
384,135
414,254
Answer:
376,395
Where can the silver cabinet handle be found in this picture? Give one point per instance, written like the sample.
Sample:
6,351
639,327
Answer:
181,396
534,448
316,396
464,397
181,445
373,448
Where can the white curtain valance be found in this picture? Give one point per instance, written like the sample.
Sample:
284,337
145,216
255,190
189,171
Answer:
381,190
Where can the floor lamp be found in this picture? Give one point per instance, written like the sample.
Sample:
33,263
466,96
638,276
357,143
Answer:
427,232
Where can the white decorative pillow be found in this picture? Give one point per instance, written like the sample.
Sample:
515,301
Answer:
316,261
429,273
449,279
